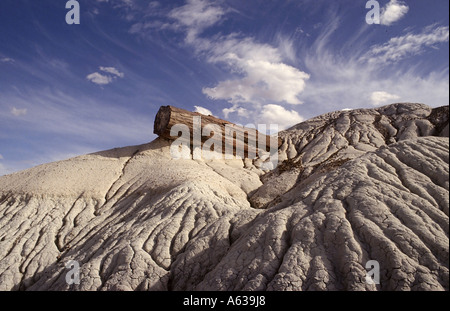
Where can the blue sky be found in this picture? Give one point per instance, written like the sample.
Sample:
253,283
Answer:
67,90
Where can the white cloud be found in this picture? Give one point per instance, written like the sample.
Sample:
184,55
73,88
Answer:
261,78
286,48
393,12
265,80
203,111
1,157
398,48
99,79
18,112
112,71
380,97
241,112
276,114
329,92
196,16
104,79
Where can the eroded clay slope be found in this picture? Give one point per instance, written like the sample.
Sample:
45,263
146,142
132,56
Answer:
324,143
135,219
122,214
390,205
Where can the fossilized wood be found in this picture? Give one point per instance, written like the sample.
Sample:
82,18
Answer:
168,116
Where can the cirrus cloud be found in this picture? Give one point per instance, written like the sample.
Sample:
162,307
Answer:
195,16
411,44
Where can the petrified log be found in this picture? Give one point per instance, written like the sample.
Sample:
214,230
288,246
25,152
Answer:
169,116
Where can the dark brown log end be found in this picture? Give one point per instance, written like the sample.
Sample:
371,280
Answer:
162,120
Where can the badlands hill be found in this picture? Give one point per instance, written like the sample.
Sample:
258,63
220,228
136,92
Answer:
354,186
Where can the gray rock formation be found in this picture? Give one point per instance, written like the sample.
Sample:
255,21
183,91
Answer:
368,184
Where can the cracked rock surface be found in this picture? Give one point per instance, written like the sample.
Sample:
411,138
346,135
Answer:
353,186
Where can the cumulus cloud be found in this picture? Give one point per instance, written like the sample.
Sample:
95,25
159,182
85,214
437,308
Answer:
99,79
203,111
380,97
103,79
18,112
392,12
411,44
264,79
276,114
